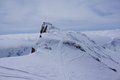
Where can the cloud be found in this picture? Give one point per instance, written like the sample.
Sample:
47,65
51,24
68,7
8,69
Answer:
28,15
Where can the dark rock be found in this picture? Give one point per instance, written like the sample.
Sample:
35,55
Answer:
33,50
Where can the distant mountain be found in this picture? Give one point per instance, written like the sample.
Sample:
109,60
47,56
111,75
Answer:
113,44
16,45
103,37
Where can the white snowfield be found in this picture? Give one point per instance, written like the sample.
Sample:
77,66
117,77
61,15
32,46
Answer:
62,55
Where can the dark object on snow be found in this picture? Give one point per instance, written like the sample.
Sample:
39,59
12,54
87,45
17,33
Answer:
49,48
113,69
44,27
97,59
40,36
33,50
74,45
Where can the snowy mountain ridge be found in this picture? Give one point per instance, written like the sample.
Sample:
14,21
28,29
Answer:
62,55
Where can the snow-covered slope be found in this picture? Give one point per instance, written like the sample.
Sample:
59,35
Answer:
62,56
16,45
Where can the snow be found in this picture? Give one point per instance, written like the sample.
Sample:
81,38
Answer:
109,39
62,55
113,45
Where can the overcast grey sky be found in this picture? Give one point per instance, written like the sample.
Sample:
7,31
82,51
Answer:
22,16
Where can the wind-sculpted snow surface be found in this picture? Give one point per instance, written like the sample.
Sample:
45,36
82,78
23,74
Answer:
62,55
